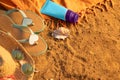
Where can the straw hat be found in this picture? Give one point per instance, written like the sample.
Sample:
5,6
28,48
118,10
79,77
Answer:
6,61
14,59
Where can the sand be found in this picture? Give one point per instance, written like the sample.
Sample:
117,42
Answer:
92,51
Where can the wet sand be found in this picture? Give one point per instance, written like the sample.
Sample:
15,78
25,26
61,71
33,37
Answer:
92,52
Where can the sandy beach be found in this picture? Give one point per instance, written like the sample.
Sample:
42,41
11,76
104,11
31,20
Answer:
92,52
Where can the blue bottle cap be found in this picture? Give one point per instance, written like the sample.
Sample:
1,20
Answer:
71,16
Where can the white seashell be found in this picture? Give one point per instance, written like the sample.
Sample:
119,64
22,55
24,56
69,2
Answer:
61,33
33,39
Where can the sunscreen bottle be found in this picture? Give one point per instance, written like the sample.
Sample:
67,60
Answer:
52,9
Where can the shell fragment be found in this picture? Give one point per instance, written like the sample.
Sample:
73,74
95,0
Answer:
61,33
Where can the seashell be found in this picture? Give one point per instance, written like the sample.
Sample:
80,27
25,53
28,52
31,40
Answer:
33,39
27,69
17,54
27,22
61,33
